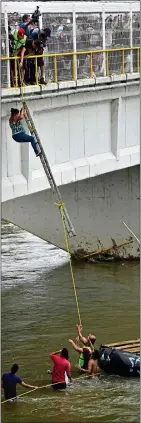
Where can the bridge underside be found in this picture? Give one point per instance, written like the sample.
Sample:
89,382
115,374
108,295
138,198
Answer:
97,206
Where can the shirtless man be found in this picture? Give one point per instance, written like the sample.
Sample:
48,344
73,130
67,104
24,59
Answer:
93,368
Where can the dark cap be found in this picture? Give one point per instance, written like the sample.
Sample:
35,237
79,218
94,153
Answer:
47,32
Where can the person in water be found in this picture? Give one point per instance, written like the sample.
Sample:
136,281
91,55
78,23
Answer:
61,368
88,347
18,132
84,353
93,368
10,381
85,341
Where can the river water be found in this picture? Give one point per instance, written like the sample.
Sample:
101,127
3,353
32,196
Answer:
39,316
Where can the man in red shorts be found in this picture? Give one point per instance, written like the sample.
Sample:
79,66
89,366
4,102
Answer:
60,369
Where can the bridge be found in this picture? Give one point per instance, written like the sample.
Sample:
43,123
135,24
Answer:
88,120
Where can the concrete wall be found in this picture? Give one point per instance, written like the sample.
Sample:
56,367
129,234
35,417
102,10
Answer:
84,133
97,206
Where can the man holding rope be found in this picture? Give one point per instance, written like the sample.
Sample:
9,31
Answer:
9,383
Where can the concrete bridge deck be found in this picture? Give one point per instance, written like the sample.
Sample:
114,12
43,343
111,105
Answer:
90,132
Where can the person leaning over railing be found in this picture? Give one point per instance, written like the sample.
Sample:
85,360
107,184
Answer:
41,36
34,47
31,48
18,46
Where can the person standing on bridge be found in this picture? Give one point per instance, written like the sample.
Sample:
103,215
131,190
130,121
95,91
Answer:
18,132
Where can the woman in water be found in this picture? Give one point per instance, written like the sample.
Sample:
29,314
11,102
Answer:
18,132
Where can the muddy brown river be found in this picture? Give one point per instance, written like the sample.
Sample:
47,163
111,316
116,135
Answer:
39,316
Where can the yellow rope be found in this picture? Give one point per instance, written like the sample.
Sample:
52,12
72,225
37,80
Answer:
44,386
61,208
21,85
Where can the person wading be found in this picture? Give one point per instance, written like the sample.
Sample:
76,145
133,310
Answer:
85,351
10,381
61,368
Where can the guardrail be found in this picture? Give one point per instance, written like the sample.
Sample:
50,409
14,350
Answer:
72,66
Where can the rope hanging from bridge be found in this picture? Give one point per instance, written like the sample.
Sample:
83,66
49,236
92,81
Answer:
61,208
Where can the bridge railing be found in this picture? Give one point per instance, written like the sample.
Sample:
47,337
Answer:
78,27
73,66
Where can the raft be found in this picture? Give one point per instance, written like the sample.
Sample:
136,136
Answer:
121,358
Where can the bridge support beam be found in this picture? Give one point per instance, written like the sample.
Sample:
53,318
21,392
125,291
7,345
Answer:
116,122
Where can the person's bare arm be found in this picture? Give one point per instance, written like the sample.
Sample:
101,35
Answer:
55,352
25,385
81,337
75,347
22,56
22,113
81,368
91,345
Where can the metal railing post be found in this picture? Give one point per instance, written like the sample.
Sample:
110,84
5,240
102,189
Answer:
107,63
122,61
104,41
7,48
40,22
131,42
36,71
55,69
138,60
91,65
16,72
74,59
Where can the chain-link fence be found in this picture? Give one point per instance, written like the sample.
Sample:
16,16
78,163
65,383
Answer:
61,40
4,67
89,37
136,39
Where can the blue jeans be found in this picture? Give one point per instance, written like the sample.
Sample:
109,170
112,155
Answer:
23,137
